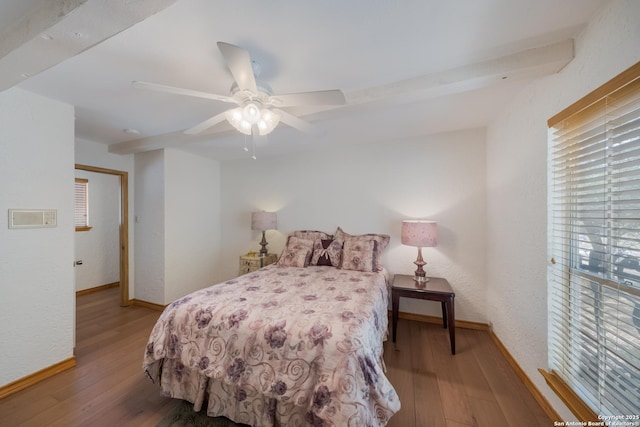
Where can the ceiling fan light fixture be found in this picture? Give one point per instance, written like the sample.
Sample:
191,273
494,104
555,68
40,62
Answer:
246,127
244,118
251,113
236,118
268,121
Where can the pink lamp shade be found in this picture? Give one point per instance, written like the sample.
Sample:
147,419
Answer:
262,221
422,234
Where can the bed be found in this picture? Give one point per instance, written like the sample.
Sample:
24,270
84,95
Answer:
296,343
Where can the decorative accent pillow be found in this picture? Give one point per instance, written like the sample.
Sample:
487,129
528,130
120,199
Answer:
311,234
296,244
295,257
327,252
382,240
358,255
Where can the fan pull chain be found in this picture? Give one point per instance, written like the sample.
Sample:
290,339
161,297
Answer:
253,148
245,144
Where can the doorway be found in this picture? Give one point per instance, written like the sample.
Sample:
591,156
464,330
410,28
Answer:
123,227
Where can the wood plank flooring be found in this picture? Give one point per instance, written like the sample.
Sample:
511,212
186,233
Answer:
476,387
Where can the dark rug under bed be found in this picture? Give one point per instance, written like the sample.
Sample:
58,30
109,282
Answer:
184,416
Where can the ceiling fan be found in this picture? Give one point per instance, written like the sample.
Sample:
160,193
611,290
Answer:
257,110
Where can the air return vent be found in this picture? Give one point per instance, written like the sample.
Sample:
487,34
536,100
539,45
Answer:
33,218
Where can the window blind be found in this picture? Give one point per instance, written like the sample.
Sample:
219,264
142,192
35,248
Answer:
81,203
594,242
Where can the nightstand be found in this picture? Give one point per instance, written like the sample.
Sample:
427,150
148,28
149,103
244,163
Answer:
436,289
252,262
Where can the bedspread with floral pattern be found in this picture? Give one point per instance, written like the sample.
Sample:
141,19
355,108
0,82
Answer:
280,346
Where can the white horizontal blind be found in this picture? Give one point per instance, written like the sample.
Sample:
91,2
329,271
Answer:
594,284
81,202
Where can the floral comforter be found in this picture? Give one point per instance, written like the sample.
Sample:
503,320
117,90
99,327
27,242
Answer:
281,346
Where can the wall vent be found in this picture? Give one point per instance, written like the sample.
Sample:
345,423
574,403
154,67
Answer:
33,218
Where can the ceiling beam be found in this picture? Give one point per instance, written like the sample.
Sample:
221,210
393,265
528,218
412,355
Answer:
56,30
528,64
40,18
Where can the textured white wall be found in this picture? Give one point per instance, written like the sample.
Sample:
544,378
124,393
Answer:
95,154
371,189
36,265
178,226
98,248
192,223
516,186
149,226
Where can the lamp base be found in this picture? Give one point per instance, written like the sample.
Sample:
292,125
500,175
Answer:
419,275
420,279
263,243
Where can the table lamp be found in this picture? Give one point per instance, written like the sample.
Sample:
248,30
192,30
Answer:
263,221
422,234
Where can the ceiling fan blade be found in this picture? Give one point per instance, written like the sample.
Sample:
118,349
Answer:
321,97
239,63
295,122
180,91
206,124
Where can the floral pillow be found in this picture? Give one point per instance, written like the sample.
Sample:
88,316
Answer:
294,248
358,255
382,240
298,242
311,234
327,252
295,257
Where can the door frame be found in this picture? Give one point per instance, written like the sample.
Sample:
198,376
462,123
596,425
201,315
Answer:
123,227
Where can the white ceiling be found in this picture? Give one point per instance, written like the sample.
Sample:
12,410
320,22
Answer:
407,68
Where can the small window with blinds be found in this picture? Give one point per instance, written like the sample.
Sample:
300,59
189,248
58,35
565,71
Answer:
82,204
594,242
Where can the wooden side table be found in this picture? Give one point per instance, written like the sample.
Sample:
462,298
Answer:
436,289
252,262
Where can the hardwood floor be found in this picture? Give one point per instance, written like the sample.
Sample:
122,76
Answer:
107,387
476,387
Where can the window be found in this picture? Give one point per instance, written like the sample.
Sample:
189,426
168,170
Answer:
594,238
82,204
